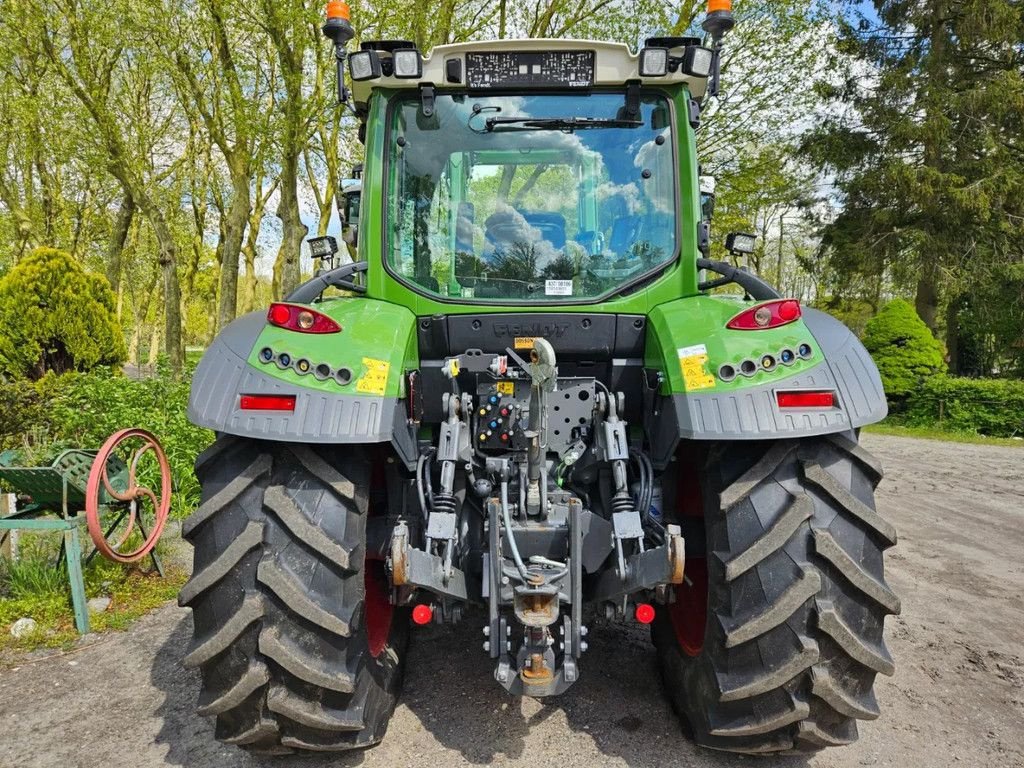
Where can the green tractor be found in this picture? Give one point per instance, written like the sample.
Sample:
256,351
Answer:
524,406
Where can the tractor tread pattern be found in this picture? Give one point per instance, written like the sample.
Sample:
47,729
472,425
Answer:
228,632
773,539
771,679
249,539
277,601
277,579
826,546
825,687
797,600
776,613
254,676
226,495
303,529
301,664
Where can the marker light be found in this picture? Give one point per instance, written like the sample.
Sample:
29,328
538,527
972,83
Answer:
407,63
653,62
267,402
645,613
422,614
771,314
364,65
697,61
295,317
807,398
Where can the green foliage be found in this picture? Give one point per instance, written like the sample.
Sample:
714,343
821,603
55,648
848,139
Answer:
84,409
903,348
55,316
853,313
22,407
33,587
925,153
993,407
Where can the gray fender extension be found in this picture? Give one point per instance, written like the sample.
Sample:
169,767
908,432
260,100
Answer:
753,413
319,417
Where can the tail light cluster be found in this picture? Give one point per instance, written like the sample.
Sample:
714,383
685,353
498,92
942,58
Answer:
771,314
295,317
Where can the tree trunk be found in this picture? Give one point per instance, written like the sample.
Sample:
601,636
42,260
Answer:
926,300
953,335
287,273
234,230
168,260
118,237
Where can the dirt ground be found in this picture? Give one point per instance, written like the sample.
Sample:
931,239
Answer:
957,696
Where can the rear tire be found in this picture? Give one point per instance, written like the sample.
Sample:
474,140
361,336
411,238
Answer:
795,600
294,636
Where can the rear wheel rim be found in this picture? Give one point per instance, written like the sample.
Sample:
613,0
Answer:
379,610
690,610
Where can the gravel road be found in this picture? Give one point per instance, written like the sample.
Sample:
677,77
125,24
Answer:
957,696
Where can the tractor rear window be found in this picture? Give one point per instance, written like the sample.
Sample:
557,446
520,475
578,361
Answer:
534,198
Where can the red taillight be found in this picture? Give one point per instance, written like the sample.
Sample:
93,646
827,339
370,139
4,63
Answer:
645,613
806,399
296,317
771,314
422,614
267,403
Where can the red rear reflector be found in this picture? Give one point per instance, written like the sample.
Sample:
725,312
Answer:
296,317
771,314
645,613
808,399
267,403
422,614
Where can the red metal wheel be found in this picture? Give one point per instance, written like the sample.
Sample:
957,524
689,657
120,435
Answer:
132,494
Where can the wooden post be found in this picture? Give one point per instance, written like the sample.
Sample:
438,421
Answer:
9,547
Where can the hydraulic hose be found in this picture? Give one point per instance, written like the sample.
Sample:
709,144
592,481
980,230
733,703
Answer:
507,519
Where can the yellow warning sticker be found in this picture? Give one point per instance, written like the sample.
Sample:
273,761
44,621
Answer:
506,387
523,342
375,379
693,361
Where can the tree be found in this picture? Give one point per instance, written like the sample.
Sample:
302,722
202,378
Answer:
124,94
924,144
903,348
55,316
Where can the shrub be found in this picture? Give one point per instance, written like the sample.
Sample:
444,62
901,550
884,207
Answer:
903,348
993,407
84,409
21,408
55,316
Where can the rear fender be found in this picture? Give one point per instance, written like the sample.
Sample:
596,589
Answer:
376,341
690,343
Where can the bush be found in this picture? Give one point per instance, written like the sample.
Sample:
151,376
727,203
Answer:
55,316
993,407
903,348
85,409
21,408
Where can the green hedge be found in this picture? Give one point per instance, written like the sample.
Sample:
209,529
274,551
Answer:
993,407
83,409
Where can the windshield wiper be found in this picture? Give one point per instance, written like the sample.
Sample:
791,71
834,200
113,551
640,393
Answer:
569,124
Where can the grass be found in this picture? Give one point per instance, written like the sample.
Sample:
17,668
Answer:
935,433
33,587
